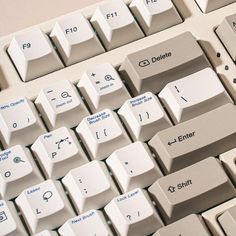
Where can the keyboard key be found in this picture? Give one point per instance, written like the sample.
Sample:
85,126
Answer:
133,214
47,233
150,69
144,116
90,223
19,123
133,166
190,225
84,193
10,223
191,141
102,133
75,39
30,49
154,16
61,105
192,186
227,33
210,5
58,152
194,95
228,221
115,24
102,88
44,206
17,171
228,160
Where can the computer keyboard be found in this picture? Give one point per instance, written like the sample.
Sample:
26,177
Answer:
119,119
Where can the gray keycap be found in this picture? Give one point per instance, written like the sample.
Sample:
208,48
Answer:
191,225
192,190
152,68
191,141
228,221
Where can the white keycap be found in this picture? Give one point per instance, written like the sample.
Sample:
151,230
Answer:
17,171
61,105
210,5
10,223
75,39
155,15
91,223
102,88
133,166
102,133
133,214
144,116
90,186
47,233
115,24
44,206
30,49
19,123
58,152
194,95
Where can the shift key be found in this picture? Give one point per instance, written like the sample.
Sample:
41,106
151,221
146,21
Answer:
192,190
209,134
150,69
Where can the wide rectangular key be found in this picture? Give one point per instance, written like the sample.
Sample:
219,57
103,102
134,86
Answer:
210,5
192,186
194,95
228,221
194,223
207,135
150,69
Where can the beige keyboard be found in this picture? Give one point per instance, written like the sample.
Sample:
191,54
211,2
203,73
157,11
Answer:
119,119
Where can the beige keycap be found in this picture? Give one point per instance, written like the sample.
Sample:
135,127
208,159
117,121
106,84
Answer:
150,69
191,141
192,190
227,33
228,221
195,227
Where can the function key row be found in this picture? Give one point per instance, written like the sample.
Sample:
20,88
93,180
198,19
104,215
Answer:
75,39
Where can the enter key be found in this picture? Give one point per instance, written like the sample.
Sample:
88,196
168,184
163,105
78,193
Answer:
207,135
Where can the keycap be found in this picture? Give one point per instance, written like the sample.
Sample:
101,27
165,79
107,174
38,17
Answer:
133,166
133,214
58,152
115,24
192,186
85,194
61,105
144,116
47,233
190,225
211,5
207,135
30,49
211,216
102,88
154,16
75,39
150,69
10,223
102,133
44,206
194,95
228,221
91,223
17,171
227,34
228,160
19,123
